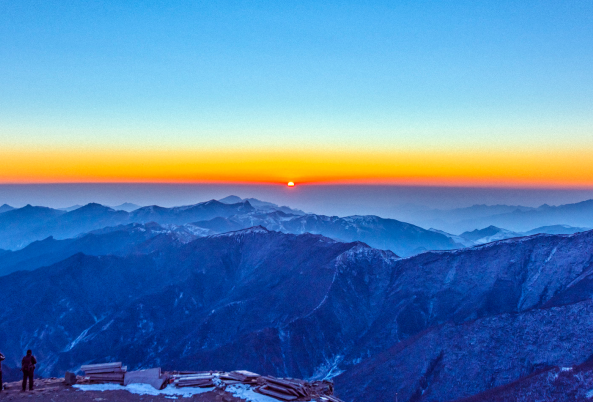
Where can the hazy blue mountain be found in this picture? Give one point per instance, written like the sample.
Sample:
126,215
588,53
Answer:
441,325
126,206
493,233
5,208
119,240
578,215
481,233
85,219
386,234
475,211
20,227
231,199
261,205
269,220
489,234
511,217
457,220
556,229
217,217
463,242
190,213
68,209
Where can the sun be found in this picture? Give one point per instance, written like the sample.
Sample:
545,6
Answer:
290,184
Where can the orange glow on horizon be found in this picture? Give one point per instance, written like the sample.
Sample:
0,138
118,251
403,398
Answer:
561,169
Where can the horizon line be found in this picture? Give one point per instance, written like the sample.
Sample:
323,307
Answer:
341,183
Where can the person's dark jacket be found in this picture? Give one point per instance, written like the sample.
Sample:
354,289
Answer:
28,363
1,358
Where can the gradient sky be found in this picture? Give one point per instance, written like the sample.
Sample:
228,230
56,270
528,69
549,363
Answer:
487,93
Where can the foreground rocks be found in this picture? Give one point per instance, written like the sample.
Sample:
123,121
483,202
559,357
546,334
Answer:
56,390
222,388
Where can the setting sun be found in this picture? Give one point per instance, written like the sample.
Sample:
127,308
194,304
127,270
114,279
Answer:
290,184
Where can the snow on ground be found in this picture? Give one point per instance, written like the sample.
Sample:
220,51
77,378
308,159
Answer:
145,389
245,392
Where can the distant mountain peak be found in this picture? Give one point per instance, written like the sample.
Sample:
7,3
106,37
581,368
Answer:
5,208
126,206
260,205
231,199
94,205
479,233
489,234
557,229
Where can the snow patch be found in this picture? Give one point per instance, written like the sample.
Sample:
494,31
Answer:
245,392
197,230
255,229
551,254
144,389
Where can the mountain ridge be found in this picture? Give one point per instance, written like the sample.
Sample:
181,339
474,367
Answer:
119,240
400,237
318,308
511,217
20,227
5,208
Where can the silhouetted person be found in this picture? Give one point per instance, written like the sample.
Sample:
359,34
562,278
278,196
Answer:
1,358
28,368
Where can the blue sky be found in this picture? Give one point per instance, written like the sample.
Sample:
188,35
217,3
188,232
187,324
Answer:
483,76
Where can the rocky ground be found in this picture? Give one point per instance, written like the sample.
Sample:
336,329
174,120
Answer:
54,389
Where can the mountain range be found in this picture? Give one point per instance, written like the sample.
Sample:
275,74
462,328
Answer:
441,325
388,234
126,206
261,205
511,217
493,233
20,227
119,240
